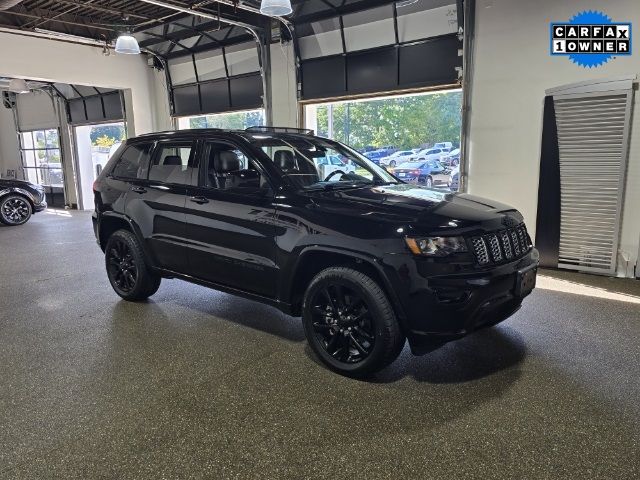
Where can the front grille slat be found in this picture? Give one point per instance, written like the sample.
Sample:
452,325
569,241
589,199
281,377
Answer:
502,246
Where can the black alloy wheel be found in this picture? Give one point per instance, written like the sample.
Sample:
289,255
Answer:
349,322
127,269
342,323
123,270
15,210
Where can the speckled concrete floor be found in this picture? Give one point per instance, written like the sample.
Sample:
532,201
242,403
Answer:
199,384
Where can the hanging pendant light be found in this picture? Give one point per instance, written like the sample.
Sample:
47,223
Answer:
127,44
276,8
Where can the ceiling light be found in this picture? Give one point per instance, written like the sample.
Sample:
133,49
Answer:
18,85
275,8
127,44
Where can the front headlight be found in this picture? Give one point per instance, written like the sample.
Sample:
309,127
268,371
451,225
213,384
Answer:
436,246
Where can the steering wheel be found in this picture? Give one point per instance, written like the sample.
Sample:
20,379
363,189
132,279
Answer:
333,174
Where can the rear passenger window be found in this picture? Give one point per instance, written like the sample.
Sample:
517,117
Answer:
134,162
171,164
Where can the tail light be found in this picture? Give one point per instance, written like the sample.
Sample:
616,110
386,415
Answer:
416,172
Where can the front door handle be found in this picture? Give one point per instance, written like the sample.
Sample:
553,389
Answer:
199,200
139,190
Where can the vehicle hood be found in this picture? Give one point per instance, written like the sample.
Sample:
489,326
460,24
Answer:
421,209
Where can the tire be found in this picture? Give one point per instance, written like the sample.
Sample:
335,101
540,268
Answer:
15,210
127,268
365,336
392,164
428,182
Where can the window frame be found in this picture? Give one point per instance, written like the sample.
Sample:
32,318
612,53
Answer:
38,170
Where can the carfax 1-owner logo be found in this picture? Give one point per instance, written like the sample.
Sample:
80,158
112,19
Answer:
591,39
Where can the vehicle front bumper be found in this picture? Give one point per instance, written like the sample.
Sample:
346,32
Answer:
39,207
441,308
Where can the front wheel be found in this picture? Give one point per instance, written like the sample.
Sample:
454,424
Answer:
14,210
350,323
428,182
392,163
126,267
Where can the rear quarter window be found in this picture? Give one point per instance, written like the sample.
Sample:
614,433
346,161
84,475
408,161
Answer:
134,162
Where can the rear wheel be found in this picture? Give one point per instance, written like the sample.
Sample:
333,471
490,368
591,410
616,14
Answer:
428,182
126,267
350,323
14,210
392,163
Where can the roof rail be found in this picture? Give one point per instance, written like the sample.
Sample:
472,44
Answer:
304,131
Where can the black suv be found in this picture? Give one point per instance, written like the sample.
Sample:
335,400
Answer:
19,200
367,260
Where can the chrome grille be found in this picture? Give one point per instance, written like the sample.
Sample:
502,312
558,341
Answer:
480,249
501,246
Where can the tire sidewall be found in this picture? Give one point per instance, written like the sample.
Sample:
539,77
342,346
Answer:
373,303
8,222
142,274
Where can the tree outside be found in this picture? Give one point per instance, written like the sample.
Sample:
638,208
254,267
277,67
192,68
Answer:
107,135
405,122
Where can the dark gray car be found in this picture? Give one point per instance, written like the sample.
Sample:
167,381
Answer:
19,200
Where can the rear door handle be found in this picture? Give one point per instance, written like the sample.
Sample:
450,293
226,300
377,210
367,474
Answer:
139,189
199,200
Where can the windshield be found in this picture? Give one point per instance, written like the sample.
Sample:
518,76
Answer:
311,162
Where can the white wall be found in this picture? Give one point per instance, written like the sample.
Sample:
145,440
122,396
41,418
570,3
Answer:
9,156
54,61
513,68
284,96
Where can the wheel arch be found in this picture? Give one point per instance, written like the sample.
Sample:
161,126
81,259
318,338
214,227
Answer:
20,192
111,222
314,259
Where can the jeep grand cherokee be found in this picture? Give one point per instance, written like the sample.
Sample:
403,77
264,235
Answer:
366,260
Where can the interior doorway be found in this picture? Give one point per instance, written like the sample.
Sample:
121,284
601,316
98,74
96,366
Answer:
94,146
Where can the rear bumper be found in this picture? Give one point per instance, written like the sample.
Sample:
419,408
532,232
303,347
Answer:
448,307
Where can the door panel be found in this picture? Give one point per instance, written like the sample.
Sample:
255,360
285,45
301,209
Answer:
230,228
158,203
160,213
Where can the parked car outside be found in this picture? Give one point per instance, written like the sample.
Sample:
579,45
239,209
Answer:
365,259
454,182
428,154
375,156
452,158
431,173
397,158
445,146
333,163
19,200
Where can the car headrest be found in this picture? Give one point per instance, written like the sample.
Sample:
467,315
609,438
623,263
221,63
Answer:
226,161
285,160
172,160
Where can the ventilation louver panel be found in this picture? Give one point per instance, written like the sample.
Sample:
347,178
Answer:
592,141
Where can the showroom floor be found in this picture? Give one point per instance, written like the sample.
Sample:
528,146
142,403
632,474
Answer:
199,384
